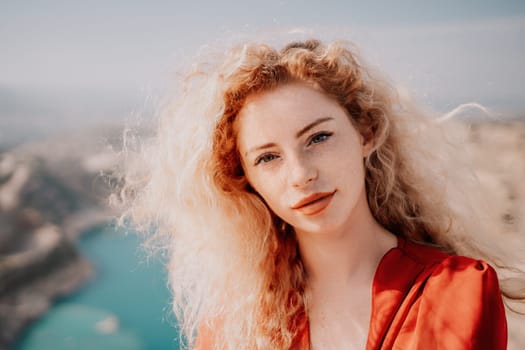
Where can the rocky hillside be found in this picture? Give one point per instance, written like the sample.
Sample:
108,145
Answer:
52,191
49,193
498,151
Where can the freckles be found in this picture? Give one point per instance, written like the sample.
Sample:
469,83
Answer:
254,184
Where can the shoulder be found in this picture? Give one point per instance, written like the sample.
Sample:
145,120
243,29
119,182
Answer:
413,265
439,267
459,299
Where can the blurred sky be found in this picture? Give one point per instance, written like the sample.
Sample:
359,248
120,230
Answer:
73,64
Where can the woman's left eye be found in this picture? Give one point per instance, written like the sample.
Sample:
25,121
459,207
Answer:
320,137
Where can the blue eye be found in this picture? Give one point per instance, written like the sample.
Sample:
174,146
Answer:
265,158
320,137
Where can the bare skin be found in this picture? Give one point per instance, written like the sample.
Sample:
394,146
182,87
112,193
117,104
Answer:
340,273
302,154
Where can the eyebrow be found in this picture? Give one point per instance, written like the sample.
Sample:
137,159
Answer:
258,148
312,125
297,135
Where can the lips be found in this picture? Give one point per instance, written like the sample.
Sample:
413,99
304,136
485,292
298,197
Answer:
314,203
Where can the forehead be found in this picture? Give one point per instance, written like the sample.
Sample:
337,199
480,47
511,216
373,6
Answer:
286,107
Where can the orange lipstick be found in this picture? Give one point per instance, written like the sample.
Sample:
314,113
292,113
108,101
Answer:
314,203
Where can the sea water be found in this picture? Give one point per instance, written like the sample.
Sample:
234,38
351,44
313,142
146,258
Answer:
125,306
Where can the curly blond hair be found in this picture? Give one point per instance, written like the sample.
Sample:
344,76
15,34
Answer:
234,265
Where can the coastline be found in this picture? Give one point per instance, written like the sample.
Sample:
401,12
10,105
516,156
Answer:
52,192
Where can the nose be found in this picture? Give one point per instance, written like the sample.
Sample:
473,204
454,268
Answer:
301,171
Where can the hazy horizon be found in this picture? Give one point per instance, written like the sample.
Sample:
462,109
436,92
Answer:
70,65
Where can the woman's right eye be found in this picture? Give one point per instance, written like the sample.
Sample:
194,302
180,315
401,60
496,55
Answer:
265,158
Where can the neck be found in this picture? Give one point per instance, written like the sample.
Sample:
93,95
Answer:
348,257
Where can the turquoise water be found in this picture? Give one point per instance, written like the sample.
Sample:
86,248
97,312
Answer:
128,295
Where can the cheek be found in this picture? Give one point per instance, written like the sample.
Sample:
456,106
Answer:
267,189
260,186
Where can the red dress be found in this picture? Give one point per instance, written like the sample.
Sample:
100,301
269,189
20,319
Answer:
423,298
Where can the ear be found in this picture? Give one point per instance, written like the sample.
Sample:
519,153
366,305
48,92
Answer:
368,144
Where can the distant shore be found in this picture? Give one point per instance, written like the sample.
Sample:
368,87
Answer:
52,191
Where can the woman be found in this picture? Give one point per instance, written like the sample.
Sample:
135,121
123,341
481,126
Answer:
301,211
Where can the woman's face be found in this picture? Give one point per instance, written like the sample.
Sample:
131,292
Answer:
301,153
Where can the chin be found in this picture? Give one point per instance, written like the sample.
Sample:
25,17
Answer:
318,228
